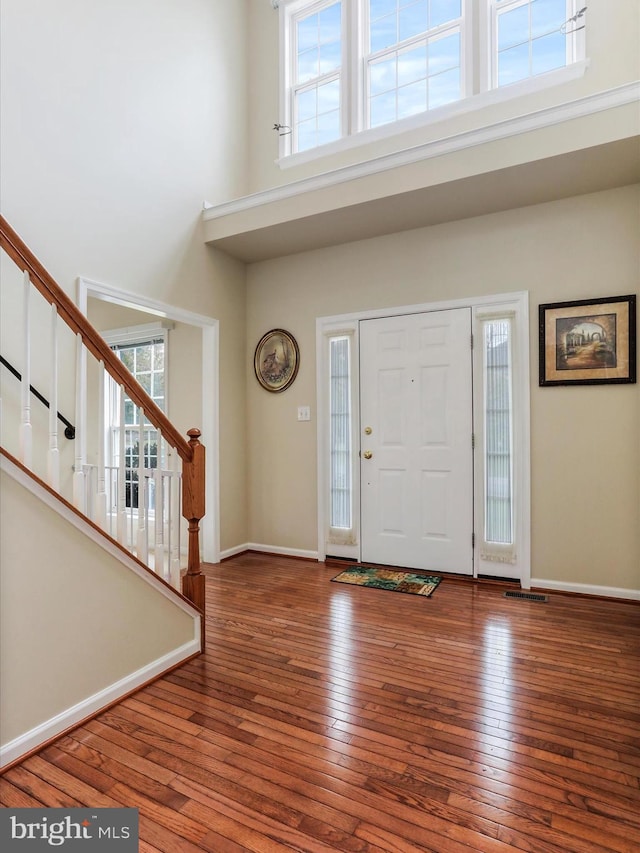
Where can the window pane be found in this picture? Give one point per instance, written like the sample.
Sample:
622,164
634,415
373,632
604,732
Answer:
443,11
306,133
444,88
307,32
340,435
330,57
158,386
498,418
444,53
144,378
413,20
329,23
383,33
158,357
383,109
383,76
328,127
513,27
547,16
513,65
126,357
129,413
329,96
378,8
307,66
412,66
306,105
412,99
143,358
318,115
548,52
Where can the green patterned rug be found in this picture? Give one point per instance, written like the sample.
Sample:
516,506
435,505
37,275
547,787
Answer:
397,581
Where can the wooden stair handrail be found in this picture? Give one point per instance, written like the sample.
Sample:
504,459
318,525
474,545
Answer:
24,258
191,452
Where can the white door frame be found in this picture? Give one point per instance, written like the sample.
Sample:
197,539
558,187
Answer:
210,390
515,305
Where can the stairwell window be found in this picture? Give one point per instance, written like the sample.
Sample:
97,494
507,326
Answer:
353,71
143,351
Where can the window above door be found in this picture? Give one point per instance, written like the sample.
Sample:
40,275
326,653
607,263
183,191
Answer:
353,71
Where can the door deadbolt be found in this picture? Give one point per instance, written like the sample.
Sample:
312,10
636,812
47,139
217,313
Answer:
367,454
368,430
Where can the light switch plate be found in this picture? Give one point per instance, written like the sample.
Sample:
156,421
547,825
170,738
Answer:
304,413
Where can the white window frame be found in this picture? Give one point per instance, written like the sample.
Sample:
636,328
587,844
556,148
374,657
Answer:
132,336
290,13
365,61
513,305
575,45
477,76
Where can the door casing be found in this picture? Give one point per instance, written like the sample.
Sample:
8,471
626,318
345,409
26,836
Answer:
514,305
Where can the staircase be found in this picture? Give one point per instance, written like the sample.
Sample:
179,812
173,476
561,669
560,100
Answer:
45,457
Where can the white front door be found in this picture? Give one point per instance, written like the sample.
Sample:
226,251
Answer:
416,441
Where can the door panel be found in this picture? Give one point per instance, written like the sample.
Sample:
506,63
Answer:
417,487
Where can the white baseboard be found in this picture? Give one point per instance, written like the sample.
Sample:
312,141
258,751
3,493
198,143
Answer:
269,549
34,738
231,552
586,589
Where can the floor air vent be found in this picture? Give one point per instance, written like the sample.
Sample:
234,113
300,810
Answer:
528,596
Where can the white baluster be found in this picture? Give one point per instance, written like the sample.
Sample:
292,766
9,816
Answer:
142,540
101,494
53,459
174,521
159,552
26,435
121,482
79,493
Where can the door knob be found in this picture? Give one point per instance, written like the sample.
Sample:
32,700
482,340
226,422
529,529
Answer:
367,454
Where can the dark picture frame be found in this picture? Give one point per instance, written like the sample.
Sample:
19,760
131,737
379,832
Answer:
588,341
276,360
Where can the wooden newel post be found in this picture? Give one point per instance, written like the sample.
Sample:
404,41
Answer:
193,509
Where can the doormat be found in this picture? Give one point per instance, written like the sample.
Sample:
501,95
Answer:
396,581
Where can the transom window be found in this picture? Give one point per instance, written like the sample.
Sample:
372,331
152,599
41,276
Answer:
357,65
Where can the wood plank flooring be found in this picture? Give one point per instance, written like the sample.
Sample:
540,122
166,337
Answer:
327,717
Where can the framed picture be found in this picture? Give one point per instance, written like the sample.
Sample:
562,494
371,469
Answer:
276,360
588,342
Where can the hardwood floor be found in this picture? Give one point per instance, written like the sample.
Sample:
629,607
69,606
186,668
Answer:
328,717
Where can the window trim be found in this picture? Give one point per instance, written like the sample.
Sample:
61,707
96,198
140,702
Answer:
476,76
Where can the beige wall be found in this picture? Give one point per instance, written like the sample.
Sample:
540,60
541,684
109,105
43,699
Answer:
118,120
613,37
73,620
585,445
